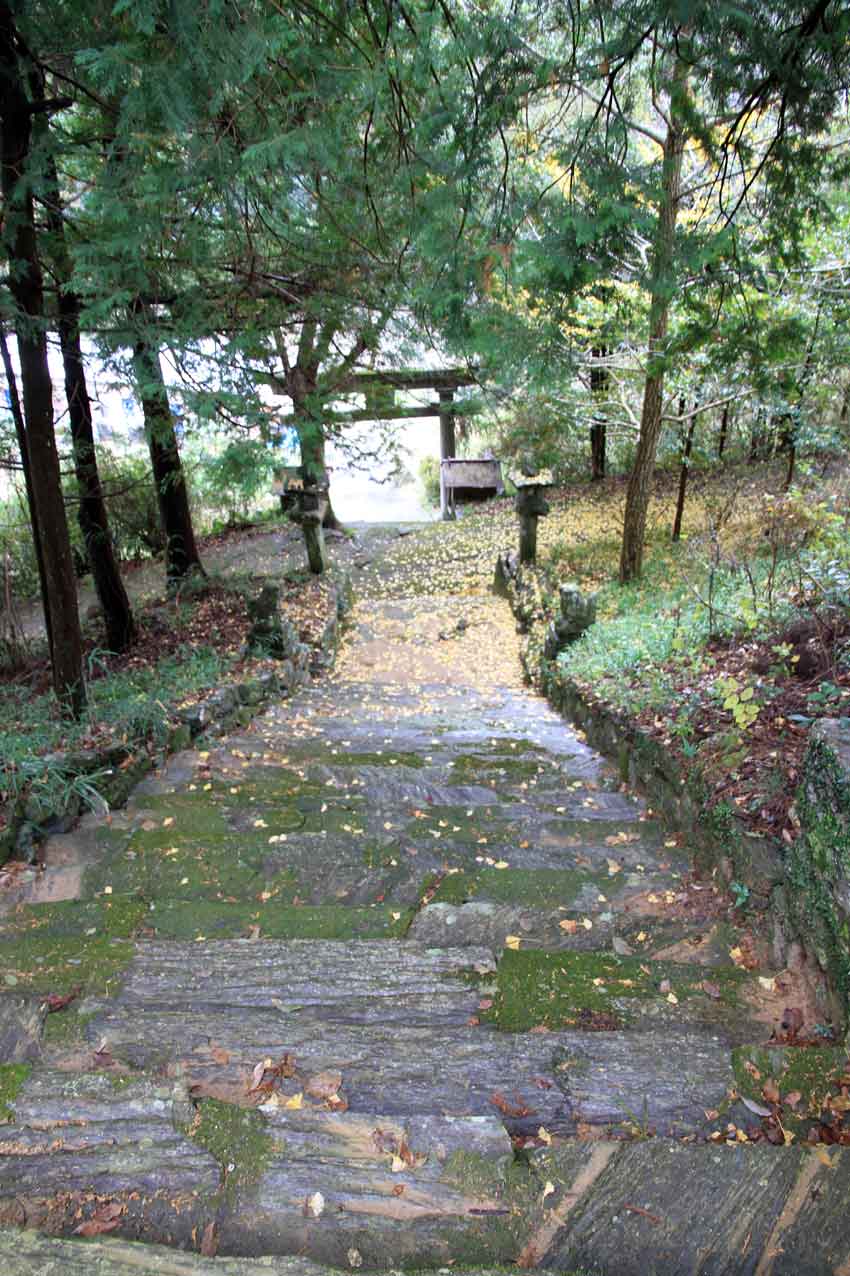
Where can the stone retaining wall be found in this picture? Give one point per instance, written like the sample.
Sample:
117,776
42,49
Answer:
819,861
805,888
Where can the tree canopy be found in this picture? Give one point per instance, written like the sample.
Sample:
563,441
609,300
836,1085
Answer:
629,217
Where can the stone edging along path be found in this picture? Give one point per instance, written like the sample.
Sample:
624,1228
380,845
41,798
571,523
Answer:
396,976
120,766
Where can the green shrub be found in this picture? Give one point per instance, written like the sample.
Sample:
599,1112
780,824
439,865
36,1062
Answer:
228,485
429,477
132,504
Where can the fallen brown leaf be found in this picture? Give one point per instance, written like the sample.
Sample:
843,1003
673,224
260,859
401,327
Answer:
324,1085
509,1109
105,1219
56,1001
209,1241
770,1090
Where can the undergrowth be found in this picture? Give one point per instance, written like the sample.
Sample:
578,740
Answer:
131,705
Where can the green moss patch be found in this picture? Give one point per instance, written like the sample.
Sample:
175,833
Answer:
586,989
385,757
175,861
535,888
810,1071
235,1137
223,807
67,1028
54,948
478,768
481,830
12,1077
185,919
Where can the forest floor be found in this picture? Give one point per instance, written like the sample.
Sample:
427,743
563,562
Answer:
402,976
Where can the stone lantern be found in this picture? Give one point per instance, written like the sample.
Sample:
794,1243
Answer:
531,485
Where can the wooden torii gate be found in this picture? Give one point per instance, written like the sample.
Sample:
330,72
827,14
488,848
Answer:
379,390
375,386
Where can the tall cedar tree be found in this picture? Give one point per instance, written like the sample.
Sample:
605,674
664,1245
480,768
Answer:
26,287
91,513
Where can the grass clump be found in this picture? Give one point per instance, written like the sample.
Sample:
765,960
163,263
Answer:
135,703
12,1078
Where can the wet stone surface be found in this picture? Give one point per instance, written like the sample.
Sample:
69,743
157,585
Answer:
396,976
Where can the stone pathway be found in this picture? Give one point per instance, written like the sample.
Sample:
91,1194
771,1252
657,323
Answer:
397,977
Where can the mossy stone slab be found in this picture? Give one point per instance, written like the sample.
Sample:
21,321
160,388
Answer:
666,1209
81,1139
403,1024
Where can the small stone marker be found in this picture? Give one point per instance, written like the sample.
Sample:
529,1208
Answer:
577,614
269,634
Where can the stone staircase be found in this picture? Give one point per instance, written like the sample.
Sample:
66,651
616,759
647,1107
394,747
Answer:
397,977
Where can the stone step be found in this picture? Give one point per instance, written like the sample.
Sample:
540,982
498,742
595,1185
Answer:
26,1253
647,1207
403,1026
142,1157
667,1209
76,1141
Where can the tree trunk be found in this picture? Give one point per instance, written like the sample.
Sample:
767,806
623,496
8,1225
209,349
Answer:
683,479
91,514
661,288
23,448
789,443
312,443
599,378
26,287
724,429
181,551
758,438
302,381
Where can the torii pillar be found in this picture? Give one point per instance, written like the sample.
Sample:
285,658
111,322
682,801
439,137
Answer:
447,451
